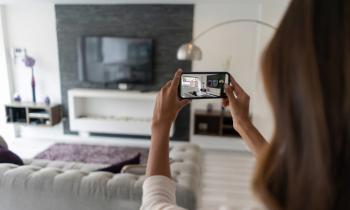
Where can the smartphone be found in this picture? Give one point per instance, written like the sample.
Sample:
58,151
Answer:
203,85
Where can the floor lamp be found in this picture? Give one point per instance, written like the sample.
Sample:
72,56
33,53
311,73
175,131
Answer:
190,51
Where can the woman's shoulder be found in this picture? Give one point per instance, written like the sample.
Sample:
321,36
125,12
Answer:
159,194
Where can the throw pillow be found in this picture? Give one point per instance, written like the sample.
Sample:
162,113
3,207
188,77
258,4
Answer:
116,168
6,156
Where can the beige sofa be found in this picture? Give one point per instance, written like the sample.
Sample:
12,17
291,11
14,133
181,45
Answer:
55,185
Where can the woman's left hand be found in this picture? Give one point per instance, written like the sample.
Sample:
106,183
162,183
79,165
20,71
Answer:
168,103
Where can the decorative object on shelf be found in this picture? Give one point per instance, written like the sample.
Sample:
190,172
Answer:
210,107
47,100
29,62
202,127
17,97
189,51
16,53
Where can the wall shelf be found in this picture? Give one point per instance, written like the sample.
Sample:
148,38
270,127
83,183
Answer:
33,114
215,123
111,111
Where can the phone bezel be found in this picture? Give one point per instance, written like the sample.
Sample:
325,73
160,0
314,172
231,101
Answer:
207,72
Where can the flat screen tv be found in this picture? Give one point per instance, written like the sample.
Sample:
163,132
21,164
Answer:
115,60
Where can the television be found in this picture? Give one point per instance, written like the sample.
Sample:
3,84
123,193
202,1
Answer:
115,60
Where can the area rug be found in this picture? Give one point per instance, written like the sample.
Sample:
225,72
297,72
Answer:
86,153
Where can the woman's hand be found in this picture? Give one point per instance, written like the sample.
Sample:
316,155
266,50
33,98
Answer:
238,102
166,109
168,103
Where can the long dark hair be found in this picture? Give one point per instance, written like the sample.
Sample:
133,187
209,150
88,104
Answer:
306,69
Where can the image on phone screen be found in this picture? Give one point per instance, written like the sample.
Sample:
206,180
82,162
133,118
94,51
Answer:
197,85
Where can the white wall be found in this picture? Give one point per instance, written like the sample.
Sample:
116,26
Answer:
7,131
237,48
234,48
228,48
272,12
33,26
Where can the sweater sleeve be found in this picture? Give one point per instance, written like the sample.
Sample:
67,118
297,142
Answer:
159,194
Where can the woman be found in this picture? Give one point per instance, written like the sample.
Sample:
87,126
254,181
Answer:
306,70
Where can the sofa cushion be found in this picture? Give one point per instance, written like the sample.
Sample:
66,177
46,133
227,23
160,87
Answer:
6,156
63,165
3,142
116,168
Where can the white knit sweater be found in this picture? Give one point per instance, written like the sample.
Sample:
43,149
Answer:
159,194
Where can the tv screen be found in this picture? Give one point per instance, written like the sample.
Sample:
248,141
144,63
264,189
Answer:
115,60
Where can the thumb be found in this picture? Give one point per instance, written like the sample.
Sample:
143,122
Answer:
176,80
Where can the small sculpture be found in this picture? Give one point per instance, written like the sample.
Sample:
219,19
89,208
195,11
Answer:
17,97
210,107
47,100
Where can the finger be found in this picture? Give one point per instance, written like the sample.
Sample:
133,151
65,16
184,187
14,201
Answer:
225,102
176,80
185,102
167,84
240,92
231,98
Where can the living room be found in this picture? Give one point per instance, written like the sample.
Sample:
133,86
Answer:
68,115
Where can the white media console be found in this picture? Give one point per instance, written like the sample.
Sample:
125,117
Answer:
111,112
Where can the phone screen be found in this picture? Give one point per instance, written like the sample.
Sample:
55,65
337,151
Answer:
200,85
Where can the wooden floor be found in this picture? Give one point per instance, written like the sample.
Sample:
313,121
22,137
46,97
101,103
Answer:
226,181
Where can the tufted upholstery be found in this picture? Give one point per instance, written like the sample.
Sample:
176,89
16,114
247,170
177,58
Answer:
63,165
57,185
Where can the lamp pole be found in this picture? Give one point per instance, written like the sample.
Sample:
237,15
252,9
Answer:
189,51
231,22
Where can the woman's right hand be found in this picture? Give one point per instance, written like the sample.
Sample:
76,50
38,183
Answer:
238,102
168,103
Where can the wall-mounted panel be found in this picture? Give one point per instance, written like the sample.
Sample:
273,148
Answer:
168,25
